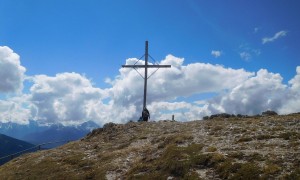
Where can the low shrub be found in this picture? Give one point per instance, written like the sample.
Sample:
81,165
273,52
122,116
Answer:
244,139
289,135
211,149
175,161
238,155
293,175
255,157
227,169
269,113
175,139
270,170
248,171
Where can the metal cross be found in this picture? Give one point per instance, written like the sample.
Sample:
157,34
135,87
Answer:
146,66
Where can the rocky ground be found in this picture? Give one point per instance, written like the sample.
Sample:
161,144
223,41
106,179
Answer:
260,147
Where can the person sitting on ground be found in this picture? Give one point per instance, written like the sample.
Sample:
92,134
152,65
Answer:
145,114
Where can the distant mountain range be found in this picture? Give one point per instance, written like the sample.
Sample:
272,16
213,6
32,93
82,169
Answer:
9,145
38,134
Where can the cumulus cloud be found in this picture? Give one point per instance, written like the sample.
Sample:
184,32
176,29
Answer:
16,109
216,53
169,84
178,81
71,98
11,71
65,98
275,37
259,93
292,101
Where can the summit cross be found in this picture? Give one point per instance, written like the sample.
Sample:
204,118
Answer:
146,66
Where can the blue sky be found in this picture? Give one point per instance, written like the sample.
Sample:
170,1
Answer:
94,38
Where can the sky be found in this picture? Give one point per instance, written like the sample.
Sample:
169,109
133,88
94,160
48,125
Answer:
60,61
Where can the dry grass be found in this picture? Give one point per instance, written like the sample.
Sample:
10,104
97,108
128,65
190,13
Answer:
225,148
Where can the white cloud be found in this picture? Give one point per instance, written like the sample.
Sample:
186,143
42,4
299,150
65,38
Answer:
247,53
258,93
16,109
216,53
292,101
178,81
182,111
275,37
295,82
246,56
65,98
11,71
71,98
169,84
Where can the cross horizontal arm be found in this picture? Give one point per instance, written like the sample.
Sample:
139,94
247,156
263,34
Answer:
144,66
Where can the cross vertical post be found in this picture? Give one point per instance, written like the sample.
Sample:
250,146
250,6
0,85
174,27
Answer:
146,75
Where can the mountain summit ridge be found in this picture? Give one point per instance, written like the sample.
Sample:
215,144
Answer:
264,147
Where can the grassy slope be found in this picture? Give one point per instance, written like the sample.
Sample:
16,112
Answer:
249,148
